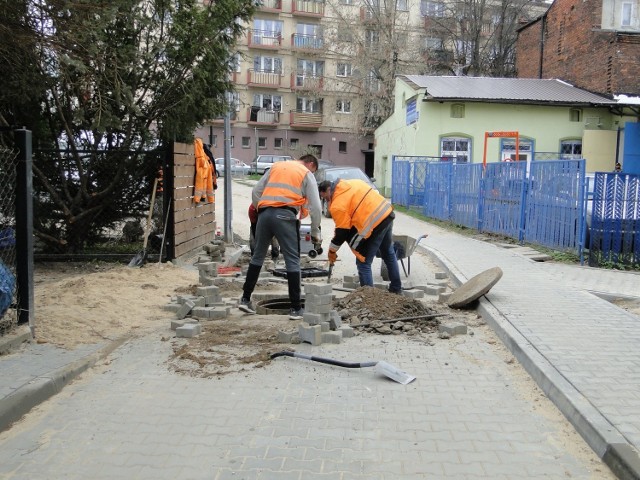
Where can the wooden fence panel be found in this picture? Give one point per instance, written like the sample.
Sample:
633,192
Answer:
194,223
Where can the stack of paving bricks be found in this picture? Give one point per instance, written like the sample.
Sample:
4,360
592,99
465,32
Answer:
320,323
206,304
215,249
409,287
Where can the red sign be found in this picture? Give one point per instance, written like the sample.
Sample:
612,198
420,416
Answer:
502,134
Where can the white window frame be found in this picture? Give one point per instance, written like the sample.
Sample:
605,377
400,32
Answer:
263,63
273,103
246,142
402,5
344,70
343,106
458,150
429,8
278,143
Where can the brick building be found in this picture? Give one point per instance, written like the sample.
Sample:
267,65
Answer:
592,44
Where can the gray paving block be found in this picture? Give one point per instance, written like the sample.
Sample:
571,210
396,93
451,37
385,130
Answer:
347,332
179,323
313,318
313,299
287,337
335,320
310,333
207,291
332,337
453,328
413,293
318,289
189,330
184,309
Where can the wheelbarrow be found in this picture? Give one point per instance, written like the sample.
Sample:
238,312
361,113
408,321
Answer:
404,246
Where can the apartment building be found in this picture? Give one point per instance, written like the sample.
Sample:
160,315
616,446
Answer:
318,75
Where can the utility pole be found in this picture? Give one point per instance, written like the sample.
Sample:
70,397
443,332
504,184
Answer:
228,207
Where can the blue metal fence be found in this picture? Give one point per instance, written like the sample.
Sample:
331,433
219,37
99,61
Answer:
614,215
544,202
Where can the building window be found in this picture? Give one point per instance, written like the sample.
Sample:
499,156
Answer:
371,38
344,70
402,5
246,142
278,143
236,62
627,13
457,110
262,142
342,147
268,102
267,64
309,105
214,140
457,149
231,141
575,115
343,106
402,39
293,143
346,2
571,149
508,150
431,9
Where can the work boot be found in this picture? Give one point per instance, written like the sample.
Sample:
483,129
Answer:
293,280
246,306
253,274
296,314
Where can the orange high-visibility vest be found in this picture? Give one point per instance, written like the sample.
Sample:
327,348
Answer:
284,187
355,204
204,174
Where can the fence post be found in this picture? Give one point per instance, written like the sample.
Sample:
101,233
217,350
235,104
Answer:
24,229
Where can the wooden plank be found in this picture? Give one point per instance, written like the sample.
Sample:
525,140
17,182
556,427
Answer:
184,203
192,233
183,148
193,245
191,223
184,171
184,182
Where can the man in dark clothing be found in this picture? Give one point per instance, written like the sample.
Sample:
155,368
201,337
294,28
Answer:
285,190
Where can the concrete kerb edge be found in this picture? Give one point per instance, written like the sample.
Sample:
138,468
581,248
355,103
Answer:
18,404
605,440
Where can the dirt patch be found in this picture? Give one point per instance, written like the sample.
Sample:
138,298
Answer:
232,345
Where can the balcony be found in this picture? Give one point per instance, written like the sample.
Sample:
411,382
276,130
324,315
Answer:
307,8
307,43
274,6
301,120
309,83
262,117
264,39
263,78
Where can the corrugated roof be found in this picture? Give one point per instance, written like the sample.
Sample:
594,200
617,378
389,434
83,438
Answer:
503,90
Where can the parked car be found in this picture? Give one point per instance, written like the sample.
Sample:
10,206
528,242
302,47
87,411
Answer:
325,164
238,167
262,163
344,173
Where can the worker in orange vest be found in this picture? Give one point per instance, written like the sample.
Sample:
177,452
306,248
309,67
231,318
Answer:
279,196
364,219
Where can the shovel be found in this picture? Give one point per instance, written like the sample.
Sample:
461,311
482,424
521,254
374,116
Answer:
382,367
141,257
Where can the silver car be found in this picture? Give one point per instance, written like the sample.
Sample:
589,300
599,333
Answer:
262,163
347,173
238,167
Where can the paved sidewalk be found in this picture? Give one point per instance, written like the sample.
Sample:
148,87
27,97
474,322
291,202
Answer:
580,349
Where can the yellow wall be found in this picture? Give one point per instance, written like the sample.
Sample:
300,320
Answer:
599,149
